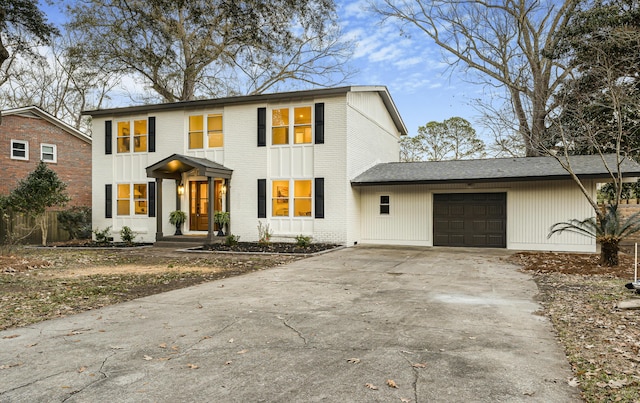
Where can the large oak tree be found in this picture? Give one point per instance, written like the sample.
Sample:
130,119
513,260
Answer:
188,49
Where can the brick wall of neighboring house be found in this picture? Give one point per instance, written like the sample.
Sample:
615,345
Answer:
73,164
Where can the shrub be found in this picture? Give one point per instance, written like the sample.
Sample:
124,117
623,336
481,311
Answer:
127,235
232,240
76,221
103,236
303,241
264,233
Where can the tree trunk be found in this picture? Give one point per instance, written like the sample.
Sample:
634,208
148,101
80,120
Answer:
44,227
609,248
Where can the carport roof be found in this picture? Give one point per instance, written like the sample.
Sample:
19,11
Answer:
492,170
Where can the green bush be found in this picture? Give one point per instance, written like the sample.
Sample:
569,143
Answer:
76,221
103,236
303,241
127,235
231,240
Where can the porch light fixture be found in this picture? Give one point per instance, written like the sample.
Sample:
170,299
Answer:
223,189
180,190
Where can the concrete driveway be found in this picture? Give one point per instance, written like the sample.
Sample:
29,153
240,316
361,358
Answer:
445,325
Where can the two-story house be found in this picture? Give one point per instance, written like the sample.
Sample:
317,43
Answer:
324,163
29,135
282,159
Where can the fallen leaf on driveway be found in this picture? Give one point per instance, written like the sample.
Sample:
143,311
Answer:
405,400
148,358
228,363
391,383
419,365
574,382
82,369
192,366
371,386
353,360
163,345
242,351
13,336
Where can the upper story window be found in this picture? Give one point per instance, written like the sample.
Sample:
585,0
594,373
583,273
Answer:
291,120
138,137
48,153
19,150
211,125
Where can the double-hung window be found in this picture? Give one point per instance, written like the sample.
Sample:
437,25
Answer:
136,139
211,125
132,197
287,204
291,120
48,153
19,150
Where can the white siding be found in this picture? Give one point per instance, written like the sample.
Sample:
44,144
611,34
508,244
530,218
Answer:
532,208
371,138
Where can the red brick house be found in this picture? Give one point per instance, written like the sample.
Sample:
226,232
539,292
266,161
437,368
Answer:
29,135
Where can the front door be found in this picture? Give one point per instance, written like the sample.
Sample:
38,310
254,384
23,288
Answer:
198,206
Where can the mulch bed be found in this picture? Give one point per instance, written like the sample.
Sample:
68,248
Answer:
272,247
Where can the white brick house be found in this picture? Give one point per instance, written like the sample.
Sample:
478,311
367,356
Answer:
283,159
323,163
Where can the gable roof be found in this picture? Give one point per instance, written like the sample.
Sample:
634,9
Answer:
175,165
491,170
248,99
35,112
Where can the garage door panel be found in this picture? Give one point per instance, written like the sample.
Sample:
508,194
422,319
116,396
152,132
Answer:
470,219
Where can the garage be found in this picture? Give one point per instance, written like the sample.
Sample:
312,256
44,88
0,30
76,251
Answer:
470,219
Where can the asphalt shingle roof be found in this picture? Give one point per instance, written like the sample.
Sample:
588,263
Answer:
491,170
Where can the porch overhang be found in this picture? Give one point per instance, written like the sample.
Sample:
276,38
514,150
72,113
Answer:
175,165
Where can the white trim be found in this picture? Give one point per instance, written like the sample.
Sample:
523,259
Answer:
54,152
26,150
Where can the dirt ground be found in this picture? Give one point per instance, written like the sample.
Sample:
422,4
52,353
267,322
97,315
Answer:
602,342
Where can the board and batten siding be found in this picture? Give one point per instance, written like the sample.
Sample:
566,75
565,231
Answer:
532,208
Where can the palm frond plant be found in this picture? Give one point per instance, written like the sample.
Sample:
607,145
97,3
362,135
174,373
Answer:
608,231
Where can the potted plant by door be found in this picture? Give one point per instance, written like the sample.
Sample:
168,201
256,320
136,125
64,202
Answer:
177,218
221,218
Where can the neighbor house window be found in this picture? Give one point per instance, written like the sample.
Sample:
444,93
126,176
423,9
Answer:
138,137
211,125
384,205
129,194
291,120
19,150
48,153
281,198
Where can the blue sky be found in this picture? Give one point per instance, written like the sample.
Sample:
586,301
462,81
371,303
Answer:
423,87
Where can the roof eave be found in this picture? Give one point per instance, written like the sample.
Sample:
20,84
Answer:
487,180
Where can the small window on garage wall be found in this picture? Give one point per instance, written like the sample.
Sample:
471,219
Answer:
384,204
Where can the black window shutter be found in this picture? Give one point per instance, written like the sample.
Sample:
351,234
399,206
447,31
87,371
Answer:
262,127
319,123
152,135
262,198
108,198
151,203
319,197
107,137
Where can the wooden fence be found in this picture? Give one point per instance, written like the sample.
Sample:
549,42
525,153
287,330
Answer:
19,225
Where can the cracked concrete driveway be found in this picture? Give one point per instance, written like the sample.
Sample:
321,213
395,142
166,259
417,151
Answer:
444,324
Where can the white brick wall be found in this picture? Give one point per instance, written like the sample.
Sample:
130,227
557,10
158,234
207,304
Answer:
358,134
